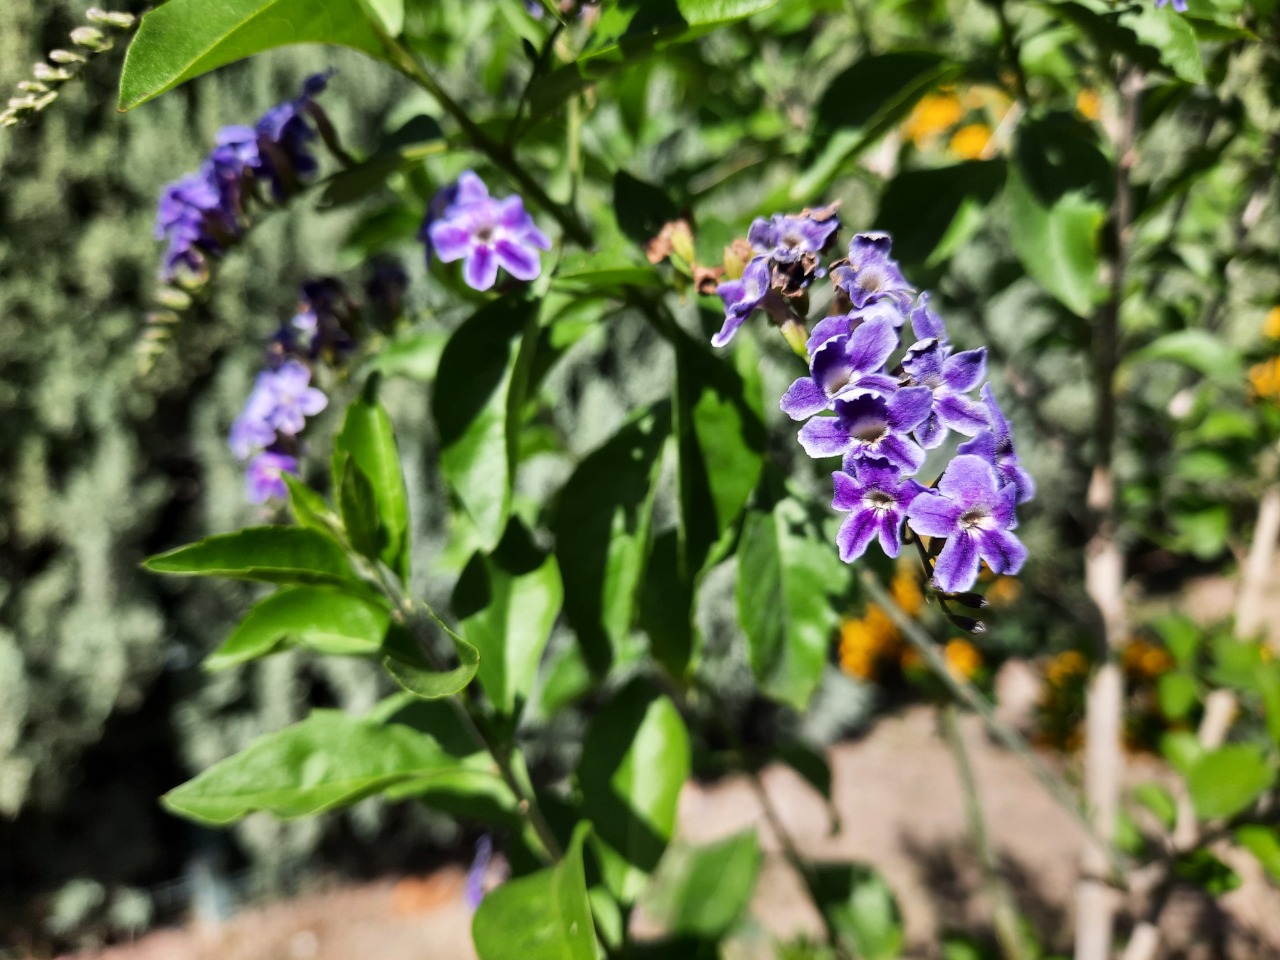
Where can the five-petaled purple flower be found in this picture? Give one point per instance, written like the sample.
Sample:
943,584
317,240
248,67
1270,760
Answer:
844,365
787,238
976,516
741,298
949,376
484,233
876,495
870,274
870,427
995,446
264,479
295,398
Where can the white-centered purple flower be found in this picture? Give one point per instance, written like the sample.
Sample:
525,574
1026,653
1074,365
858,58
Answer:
788,238
926,324
842,325
741,298
842,366
264,479
295,398
995,446
486,234
949,376
876,496
869,427
869,273
975,514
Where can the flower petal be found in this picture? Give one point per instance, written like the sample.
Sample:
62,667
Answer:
903,452
925,322
870,345
824,437
847,491
449,240
969,480
961,414
1002,550
825,329
909,406
964,371
855,534
520,262
933,515
803,399
470,189
891,532
956,568
930,433
481,268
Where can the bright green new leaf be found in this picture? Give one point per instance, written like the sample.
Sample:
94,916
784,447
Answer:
1177,692
1264,843
307,506
507,603
328,760
1226,781
1167,31
271,554
324,620
1058,245
182,39
430,684
635,759
863,910
544,916
368,437
388,15
784,569
702,891
1199,350
476,403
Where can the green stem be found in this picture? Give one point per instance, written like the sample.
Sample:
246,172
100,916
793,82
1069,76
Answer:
500,155
1008,928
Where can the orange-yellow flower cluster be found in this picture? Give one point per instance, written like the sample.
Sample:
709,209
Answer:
1144,660
1065,667
942,116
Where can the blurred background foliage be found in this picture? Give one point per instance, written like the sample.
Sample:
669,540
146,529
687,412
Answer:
907,111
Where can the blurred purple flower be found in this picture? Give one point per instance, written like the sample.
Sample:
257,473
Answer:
485,234
1179,5
975,515
264,479
786,238
473,890
295,399
251,430
995,446
876,495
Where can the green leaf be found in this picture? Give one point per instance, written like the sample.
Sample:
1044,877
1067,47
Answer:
785,573
1263,843
328,760
544,916
387,15
1182,749
270,554
409,670
635,759
308,507
1198,350
1177,693
1159,801
476,402
1207,872
368,437
703,891
358,506
1182,636
185,38
1168,32
863,909
601,522
1058,245
324,620
930,212
641,208
507,603
1226,781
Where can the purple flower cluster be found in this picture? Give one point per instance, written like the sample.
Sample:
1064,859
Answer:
201,215
879,402
1179,5
464,223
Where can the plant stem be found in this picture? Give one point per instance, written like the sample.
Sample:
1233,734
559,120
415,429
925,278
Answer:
967,694
499,154
1004,907
1012,51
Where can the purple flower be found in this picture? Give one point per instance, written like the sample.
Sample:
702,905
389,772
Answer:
844,365
975,515
787,238
948,376
485,234
295,399
995,446
869,274
264,479
876,496
926,324
284,134
741,297
871,427
252,430
1179,5
473,889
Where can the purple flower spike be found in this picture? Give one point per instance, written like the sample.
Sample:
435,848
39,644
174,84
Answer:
741,297
843,366
485,234
295,399
787,239
251,430
876,496
975,516
869,274
265,477
871,427
995,446
949,376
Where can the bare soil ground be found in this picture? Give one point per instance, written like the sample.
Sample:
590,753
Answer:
899,806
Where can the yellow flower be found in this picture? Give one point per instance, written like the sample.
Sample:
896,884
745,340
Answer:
1144,660
1265,378
1066,666
1271,326
970,141
963,658
865,642
1089,104
935,113
905,590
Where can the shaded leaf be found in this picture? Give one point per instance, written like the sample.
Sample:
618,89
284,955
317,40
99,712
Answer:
1264,843
1058,245
930,212
408,668
271,554
704,890
863,910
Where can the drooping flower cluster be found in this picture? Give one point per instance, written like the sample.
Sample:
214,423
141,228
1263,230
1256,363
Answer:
880,408
464,223
201,215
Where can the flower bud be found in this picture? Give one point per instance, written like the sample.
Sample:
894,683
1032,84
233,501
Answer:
66,56
50,74
110,18
91,38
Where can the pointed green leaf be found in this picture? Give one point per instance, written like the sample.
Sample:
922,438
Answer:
702,891
635,759
324,620
544,916
863,910
182,39
1168,32
786,572
328,760
307,506
413,675
1264,843
1058,245
368,437
359,507
508,603
476,402
388,15
271,554
1226,781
